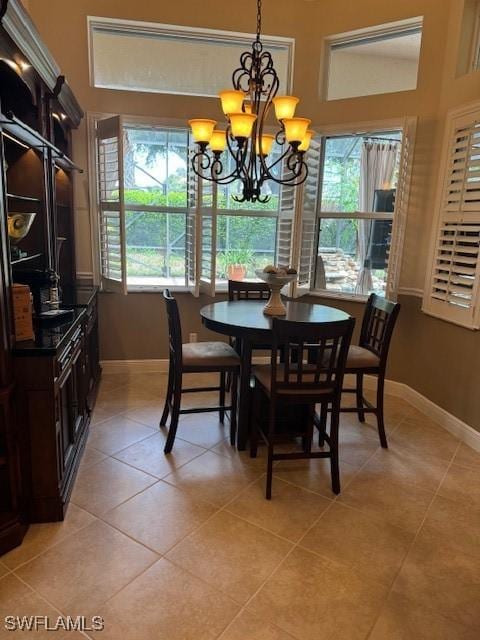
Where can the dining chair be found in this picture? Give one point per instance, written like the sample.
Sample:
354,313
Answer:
240,290
314,358
369,357
196,357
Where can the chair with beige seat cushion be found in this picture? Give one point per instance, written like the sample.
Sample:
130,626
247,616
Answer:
311,372
196,357
370,357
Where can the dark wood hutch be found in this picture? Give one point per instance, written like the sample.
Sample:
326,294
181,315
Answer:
48,384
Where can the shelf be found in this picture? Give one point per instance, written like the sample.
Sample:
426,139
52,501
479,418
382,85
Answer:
23,198
26,258
25,136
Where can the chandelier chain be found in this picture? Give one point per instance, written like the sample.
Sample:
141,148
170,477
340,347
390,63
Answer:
259,19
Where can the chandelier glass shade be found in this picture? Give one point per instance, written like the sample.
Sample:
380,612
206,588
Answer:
247,138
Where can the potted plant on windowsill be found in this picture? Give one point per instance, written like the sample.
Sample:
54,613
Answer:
235,262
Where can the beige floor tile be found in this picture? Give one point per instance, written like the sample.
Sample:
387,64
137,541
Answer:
84,570
148,455
401,466
289,514
374,548
249,627
355,448
457,525
422,437
312,598
118,433
166,603
3,568
91,456
41,537
18,600
467,457
401,620
435,578
160,516
149,415
260,462
401,505
230,554
107,484
202,429
213,477
462,485
314,474
395,409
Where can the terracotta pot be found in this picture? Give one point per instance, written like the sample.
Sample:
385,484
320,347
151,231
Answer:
236,271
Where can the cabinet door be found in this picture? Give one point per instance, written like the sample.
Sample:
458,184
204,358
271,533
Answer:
67,429
78,394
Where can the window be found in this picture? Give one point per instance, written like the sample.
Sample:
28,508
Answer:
475,56
359,179
160,225
452,290
373,61
157,58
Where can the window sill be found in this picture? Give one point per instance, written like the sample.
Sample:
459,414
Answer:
333,295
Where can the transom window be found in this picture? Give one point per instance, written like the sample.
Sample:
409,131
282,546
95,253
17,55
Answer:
158,58
382,59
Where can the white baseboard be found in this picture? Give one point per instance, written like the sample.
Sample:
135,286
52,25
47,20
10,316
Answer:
448,421
451,423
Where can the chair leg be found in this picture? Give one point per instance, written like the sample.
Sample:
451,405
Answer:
271,435
221,397
168,398
228,382
361,412
172,430
308,437
233,410
322,428
268,491
254,428
334,462
379,412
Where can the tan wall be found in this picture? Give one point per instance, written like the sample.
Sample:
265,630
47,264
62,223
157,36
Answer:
430,355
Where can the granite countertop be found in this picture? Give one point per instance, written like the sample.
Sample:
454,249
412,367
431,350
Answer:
49,339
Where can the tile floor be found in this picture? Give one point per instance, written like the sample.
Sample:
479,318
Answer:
186,548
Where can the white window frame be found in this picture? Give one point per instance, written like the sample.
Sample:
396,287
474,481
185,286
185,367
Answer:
475,46
388,29
408,127
133,27
469,316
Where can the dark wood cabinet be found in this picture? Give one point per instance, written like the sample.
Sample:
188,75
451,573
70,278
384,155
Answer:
48,384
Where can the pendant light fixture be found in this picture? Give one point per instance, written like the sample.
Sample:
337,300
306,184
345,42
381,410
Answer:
246,138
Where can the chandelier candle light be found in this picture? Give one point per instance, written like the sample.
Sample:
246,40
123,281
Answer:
246,107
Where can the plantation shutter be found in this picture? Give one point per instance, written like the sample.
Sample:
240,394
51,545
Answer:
111,205
192,232
401,207
305,241
452,292
208,236
286,216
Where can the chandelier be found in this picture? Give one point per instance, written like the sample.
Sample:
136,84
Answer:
246,138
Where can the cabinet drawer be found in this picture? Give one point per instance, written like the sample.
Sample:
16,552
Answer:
65,359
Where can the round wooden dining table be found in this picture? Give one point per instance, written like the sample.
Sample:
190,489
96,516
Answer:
245,320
